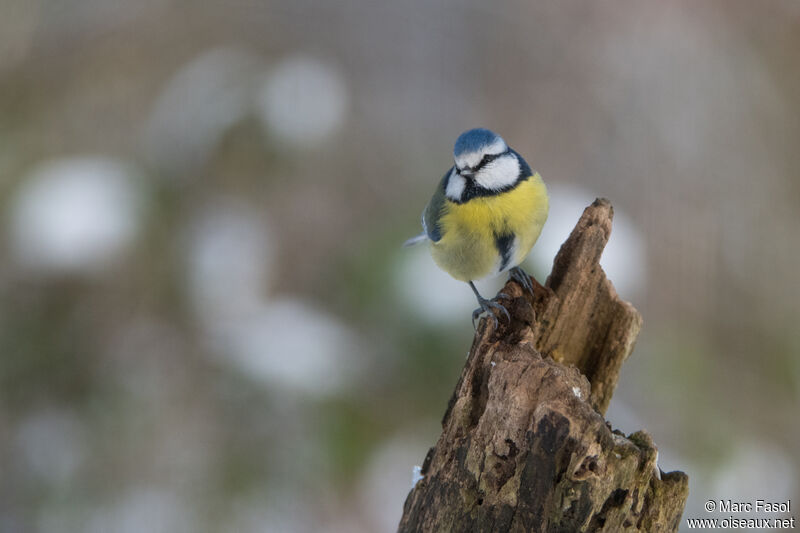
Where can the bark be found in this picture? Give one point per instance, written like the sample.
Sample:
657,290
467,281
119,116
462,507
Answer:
524,445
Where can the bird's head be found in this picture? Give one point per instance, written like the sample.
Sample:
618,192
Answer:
483,160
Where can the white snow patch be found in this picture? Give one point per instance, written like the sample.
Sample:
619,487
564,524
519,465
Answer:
292,345
230,257
416,475
303,100
577,392
74,215
383,486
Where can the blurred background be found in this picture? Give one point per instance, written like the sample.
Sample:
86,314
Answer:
206,319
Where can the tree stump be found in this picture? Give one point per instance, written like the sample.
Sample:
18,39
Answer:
524,446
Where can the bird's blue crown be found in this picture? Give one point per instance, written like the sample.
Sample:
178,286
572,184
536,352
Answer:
473,140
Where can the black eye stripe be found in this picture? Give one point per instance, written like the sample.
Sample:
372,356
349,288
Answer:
488,158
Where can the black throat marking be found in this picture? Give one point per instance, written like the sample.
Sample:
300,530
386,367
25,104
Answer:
505,245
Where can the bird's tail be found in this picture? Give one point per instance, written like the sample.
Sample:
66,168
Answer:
415,240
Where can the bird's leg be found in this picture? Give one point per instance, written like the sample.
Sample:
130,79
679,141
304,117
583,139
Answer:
524,280
487,306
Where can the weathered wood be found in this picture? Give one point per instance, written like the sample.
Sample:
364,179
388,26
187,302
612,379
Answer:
581,320
524,446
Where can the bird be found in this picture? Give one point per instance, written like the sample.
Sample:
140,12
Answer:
485,216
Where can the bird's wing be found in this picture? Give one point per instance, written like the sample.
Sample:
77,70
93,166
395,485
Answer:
433,213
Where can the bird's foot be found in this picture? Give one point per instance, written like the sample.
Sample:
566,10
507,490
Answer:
524,280
488,306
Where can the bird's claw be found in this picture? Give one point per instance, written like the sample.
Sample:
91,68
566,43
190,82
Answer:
487,306
524,280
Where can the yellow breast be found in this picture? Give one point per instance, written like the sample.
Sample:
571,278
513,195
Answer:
467,249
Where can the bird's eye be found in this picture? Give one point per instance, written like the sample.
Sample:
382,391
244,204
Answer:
487,159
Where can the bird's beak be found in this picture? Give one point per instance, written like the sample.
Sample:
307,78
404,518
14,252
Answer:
467,173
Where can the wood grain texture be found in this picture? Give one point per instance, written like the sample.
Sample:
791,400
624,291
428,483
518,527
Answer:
524,446
582,321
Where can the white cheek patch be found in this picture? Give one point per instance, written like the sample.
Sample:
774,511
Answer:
455,187
499,174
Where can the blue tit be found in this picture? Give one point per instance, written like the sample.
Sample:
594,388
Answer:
485,215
